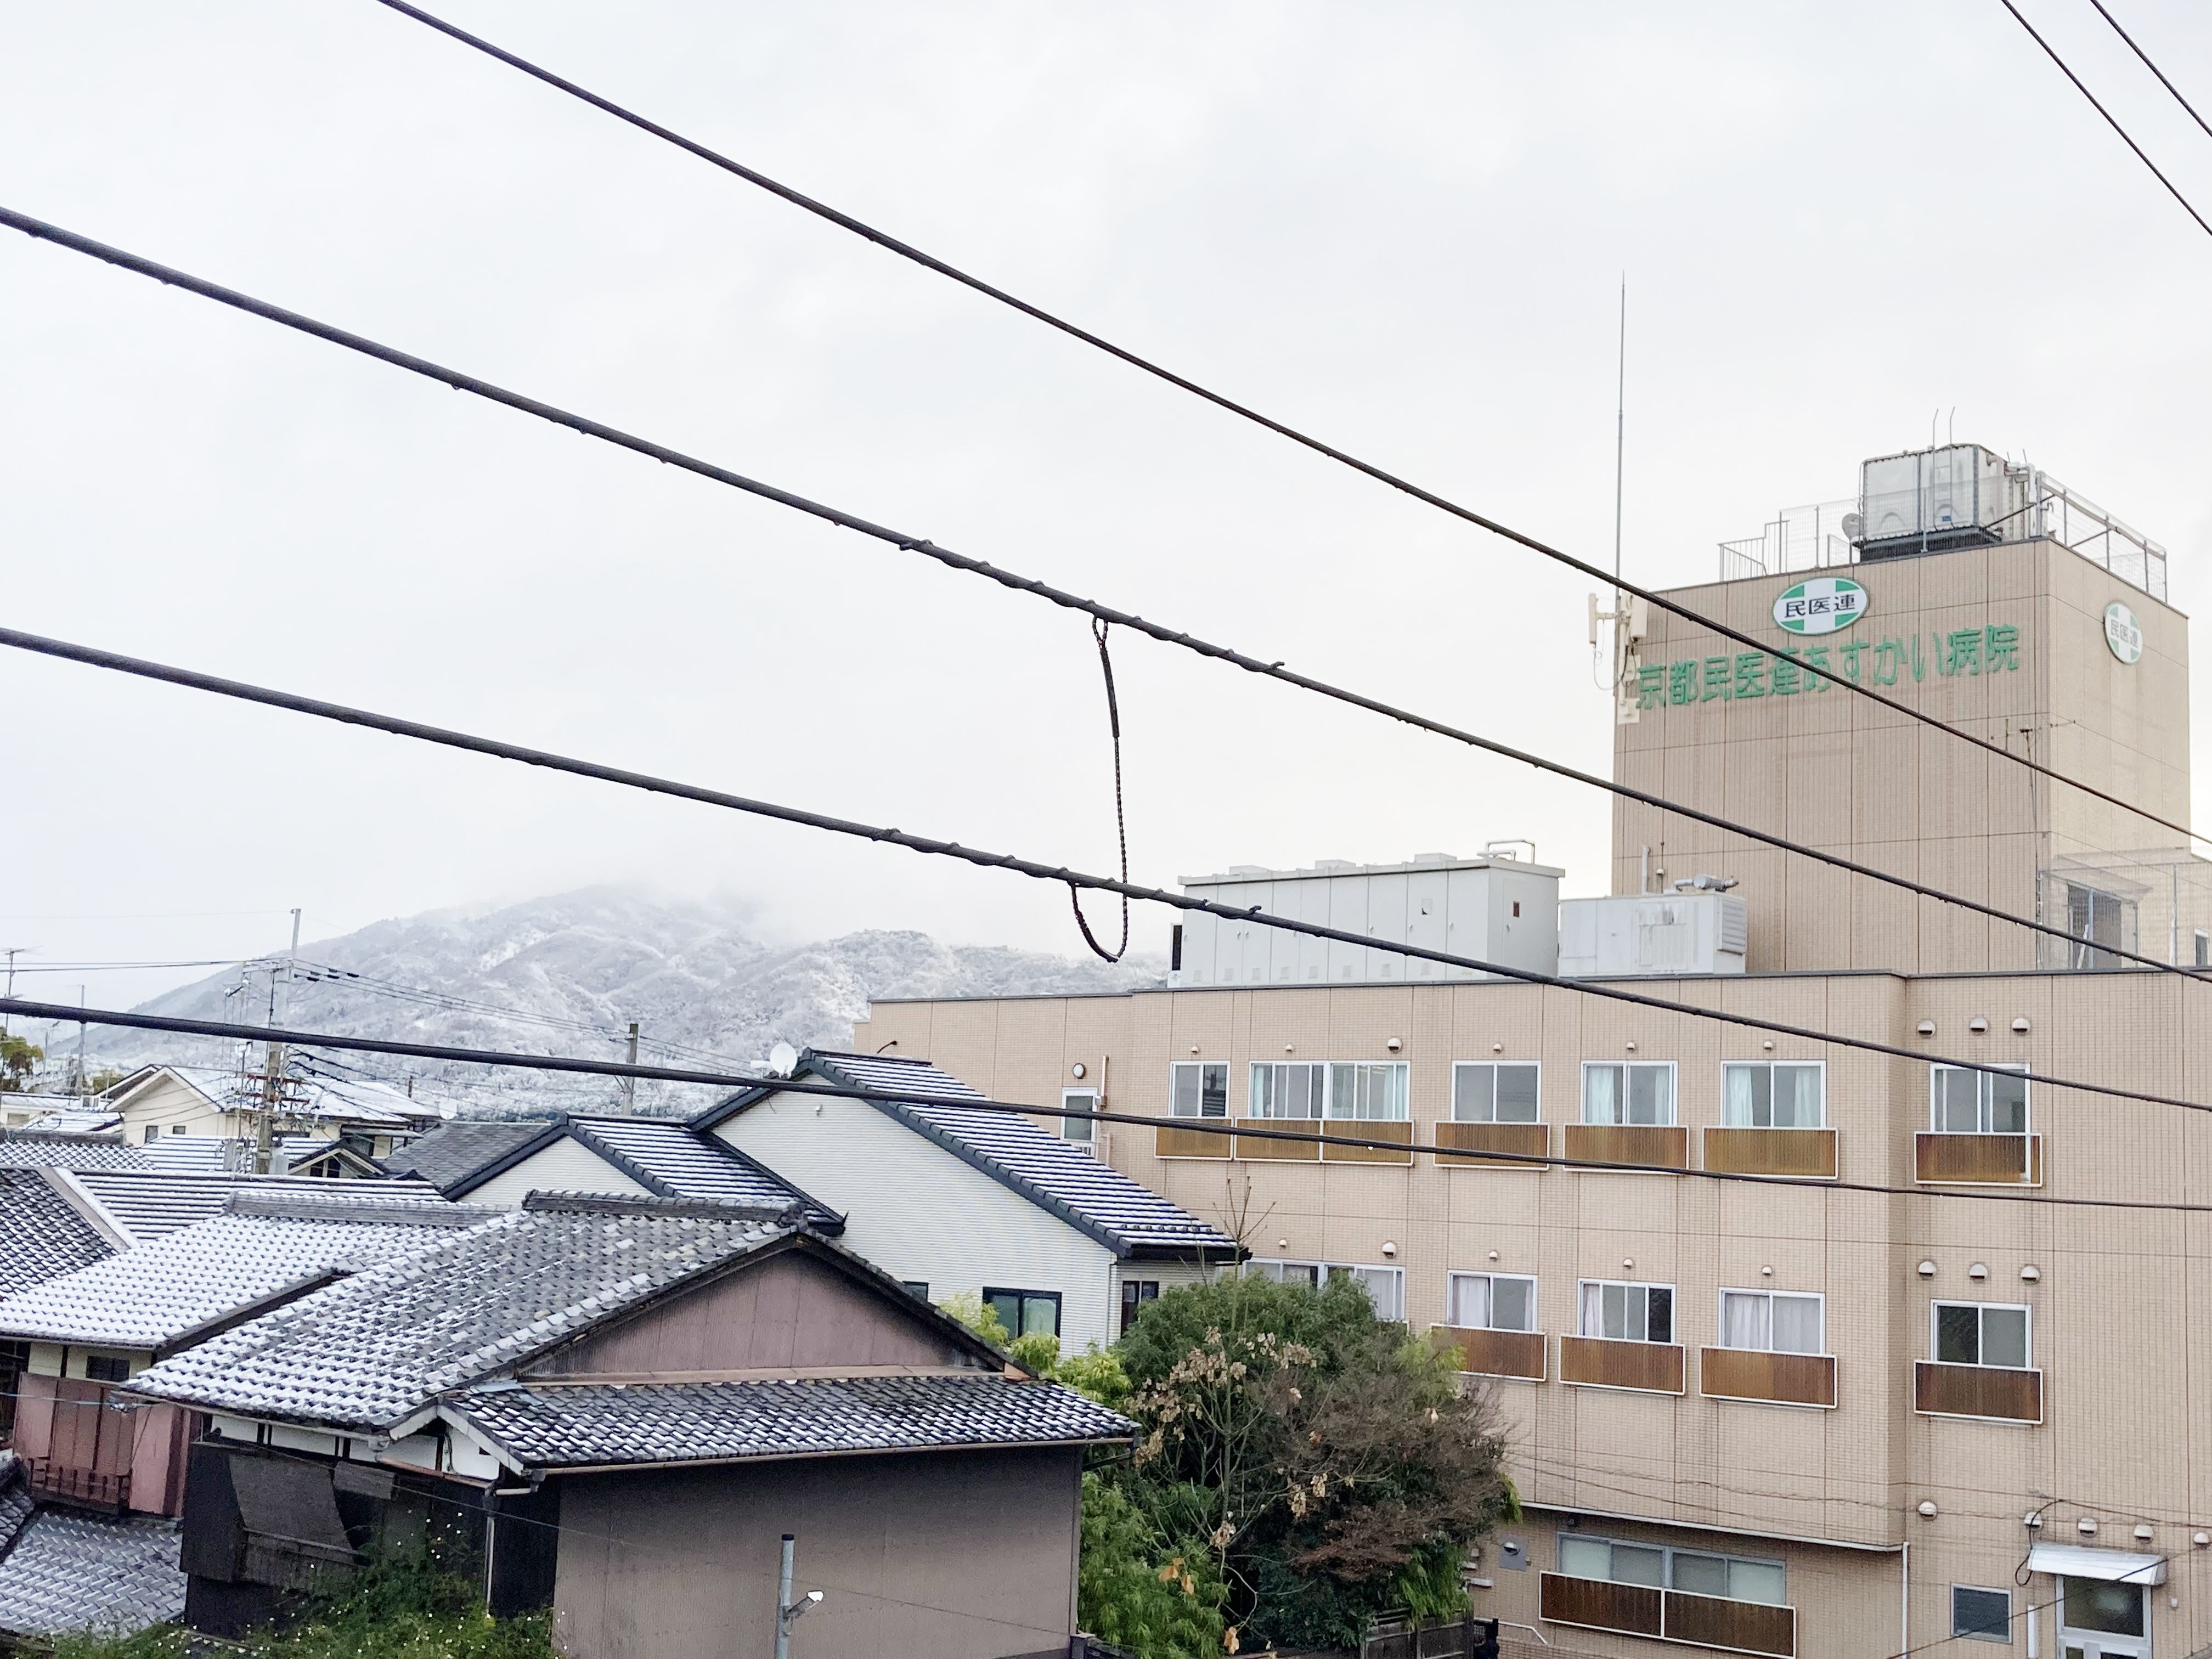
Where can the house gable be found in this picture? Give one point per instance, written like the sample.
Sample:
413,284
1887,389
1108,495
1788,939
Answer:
563,1164
791,1312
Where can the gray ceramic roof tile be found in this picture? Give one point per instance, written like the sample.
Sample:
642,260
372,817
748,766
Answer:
160,1293
82,1573
684,1163
574,1427
17,1505
146,1203
371,1350
452,1152
1084,1190
23,1149
42,1236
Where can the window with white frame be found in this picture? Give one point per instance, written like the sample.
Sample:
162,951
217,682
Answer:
1385,1286
1773,1321
2100,1608
1198,1088
1082,1130
1371,1090
1963,1101
1637,1092
1979,1333
1981,1615
1693,1572
1494,1091
1774,1093
1492,1301
1621,1310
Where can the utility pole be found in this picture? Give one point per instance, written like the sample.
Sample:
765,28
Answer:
787,1610
14,951
77,1085
273,1061
629,1084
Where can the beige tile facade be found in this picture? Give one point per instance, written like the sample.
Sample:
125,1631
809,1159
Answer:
2106,1421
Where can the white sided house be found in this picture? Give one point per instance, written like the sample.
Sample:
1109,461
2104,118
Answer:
948,1197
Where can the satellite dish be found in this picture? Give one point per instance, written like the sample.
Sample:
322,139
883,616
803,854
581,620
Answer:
1854,527
782,1060
446,1108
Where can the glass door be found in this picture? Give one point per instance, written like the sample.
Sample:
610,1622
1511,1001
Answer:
2098,1620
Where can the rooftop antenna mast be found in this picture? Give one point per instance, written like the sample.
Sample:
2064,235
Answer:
1626,624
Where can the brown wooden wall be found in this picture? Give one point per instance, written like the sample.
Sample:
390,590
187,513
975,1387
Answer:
786,1310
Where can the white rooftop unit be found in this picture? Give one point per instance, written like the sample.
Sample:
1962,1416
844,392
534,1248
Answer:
1630,933
1491,908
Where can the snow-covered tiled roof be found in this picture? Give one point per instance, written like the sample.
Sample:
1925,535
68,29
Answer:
149,1203
69,1572
162,1292
572,1427
21,1149
670,1158
42,1236
1085,1191
209,1154
453,1153
373,1350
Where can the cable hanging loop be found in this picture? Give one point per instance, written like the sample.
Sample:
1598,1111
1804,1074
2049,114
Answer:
1099,629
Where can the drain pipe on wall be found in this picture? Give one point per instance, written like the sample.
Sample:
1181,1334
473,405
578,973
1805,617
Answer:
1905,1597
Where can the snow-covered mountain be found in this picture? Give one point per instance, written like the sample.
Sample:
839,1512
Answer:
567,974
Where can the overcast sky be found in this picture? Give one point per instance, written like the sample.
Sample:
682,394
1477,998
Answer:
1399,226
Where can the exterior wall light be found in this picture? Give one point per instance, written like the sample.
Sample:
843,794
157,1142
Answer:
1076,1070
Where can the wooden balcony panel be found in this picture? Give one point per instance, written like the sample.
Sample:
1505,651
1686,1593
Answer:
1523,1140
1191,1143
1301,1151
1787,1379
1977,1160
1713,1621
82,1487
1365,1129
1493,1353
1594,1362
1772,1151
1598,1604
1666,1145
1992,1391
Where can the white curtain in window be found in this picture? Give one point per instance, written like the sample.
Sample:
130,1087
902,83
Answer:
1592,1318
1601,1093
1470,1302
1797,1324
1739,1085
1746,1320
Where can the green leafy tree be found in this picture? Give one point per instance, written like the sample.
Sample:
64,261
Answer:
1137,1591
19,1057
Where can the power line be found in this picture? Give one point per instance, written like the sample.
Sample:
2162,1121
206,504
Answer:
340,713
907,251
2153,68
1203,1126
1101,614
2170,188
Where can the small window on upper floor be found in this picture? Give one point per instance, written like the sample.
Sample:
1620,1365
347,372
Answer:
1494,1091
149,1134
1964,1101
1693,1573
1621,1311
106,1368
1082,1130
1774,1093
1773,1322
1641,1092
1371,1090
1492,1302
1198,1088
1980,1333
2203,948
1026,1313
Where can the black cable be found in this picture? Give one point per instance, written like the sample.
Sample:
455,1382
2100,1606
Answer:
1121,821
1098,612
2172,190
906,251
2153,68
926,844
135,1021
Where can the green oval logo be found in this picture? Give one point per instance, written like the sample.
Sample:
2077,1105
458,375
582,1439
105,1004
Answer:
2122,633
1821,606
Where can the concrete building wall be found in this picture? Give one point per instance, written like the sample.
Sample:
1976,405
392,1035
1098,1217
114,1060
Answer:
946,1555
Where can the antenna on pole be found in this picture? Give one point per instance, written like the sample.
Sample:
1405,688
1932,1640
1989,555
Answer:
1627,618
